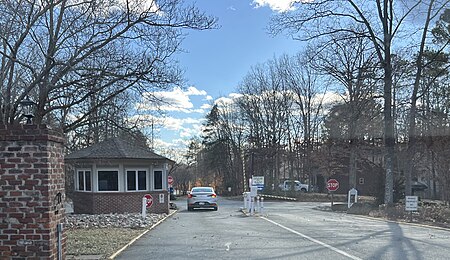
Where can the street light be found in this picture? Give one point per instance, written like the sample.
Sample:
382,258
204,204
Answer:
27,109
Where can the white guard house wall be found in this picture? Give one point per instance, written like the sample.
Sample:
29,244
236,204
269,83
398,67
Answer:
113,176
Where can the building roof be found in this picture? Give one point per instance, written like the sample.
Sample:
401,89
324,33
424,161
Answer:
115,148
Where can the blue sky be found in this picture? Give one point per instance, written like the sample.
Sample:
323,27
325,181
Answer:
215,61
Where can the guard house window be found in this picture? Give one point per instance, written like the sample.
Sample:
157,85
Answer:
157,177
84,180
108,180
136,179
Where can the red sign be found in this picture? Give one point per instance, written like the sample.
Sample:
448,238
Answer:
332,185
170,180
149,200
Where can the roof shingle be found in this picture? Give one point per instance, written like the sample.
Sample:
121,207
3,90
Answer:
115,148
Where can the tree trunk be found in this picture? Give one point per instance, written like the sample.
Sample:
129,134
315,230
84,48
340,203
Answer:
389,140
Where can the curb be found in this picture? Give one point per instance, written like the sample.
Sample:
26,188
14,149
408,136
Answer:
139,236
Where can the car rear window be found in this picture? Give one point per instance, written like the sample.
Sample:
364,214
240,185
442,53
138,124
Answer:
201,190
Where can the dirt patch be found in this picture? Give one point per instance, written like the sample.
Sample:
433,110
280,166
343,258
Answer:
434,213
430,214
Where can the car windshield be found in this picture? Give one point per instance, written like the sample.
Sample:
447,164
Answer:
202,190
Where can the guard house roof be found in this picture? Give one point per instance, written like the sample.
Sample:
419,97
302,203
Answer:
115,148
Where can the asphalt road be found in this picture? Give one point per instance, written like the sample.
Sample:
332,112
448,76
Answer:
290,230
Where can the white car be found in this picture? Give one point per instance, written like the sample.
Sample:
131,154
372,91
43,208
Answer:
298,186
202,197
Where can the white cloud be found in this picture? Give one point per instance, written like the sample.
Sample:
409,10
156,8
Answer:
178,124
174,150
145,120
188,132
331,98
140,6
193,91
176,100
278,5
223,100
206,106
227,100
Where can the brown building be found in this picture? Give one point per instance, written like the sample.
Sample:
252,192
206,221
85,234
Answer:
113,176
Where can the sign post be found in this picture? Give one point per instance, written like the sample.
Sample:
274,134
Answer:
144,208
332,186
147,202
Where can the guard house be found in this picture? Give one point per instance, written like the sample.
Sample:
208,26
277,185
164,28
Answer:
113,176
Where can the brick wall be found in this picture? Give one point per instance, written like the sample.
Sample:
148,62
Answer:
31,192
117,202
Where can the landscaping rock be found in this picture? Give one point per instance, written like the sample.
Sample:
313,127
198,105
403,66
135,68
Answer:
76,221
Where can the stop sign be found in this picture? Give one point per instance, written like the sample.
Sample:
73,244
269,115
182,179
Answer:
332,185
149,199
170,180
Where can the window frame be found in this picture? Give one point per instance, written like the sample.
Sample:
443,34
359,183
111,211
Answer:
154,181
108,170
136,179
77,180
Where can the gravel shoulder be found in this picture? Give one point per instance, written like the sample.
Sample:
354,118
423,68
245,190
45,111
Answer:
100,236
98,243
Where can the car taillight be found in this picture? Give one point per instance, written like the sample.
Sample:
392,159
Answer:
213,195
189,196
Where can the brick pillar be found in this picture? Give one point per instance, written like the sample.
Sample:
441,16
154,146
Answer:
31,192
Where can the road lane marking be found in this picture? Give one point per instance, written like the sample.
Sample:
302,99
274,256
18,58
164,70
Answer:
313,240
227,245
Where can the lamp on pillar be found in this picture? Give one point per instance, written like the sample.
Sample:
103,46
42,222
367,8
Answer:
27,109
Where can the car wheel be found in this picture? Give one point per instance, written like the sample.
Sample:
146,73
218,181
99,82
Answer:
303,190
215,209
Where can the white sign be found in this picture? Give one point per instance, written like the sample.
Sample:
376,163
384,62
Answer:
411,203
161,198
258,181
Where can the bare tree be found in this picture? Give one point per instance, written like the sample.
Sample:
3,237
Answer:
351,62
309,90
223,139
434,8
266,104
382,22
73,57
